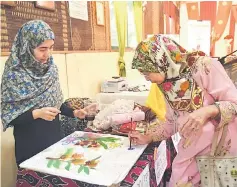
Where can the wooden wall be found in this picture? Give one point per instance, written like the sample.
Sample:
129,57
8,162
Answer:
71,34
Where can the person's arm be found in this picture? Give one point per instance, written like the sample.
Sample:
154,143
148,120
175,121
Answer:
214,79
67,111
159,131
46,113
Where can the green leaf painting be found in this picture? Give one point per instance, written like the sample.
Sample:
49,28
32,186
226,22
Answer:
108,139
68,166
50,163
86,170
56,163
102,144
80,168
69,151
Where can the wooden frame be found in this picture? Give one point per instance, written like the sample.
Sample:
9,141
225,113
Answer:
48,5
100,13
8,3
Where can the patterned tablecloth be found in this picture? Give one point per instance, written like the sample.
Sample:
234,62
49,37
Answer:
29,178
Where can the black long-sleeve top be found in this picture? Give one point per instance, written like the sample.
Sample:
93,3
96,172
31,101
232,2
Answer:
34,135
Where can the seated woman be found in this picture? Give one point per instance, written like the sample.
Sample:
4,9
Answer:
200,99
31,95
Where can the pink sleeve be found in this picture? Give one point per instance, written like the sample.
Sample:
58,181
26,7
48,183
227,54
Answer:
212,77
163,130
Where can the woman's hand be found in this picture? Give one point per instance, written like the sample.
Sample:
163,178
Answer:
91,109
139,139
197,119
46,113
80,113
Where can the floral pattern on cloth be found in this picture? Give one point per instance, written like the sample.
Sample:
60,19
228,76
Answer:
200,63
227,111
26,83
178,94
160,54
157,131
189,184
225,149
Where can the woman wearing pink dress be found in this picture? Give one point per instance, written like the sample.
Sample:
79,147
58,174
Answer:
200,99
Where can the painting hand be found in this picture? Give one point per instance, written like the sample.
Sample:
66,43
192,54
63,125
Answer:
140,139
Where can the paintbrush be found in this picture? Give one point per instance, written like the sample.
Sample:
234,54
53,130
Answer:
130,146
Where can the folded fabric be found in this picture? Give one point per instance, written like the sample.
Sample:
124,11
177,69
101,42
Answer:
103,118
126,117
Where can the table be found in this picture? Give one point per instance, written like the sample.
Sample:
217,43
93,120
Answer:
29,178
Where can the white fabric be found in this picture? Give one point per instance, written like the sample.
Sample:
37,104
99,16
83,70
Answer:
120,106
107,98
113,166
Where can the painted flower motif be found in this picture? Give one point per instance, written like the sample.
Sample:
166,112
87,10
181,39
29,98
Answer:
94,144
78,161
69,140
171,47
167,86
184,86
92,164
83,143
197,100
180,93
77,156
